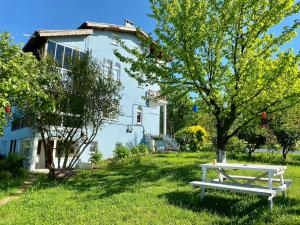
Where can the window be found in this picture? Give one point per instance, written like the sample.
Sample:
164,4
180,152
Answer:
63,54
94,146
67,57
25,148
71,145
19,123
139,115
51,48
13,144
59,56
39,148
117,71
108,67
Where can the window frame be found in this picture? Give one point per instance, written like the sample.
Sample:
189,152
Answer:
139,115
74,49
22,150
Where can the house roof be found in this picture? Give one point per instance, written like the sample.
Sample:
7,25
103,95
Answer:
113,27
40,36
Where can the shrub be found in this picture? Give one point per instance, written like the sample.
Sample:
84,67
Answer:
5,175
96,157
13,163
236,145
255,137
287,139
140,149
121,152
191,138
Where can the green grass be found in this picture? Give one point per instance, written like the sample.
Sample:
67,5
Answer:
10,186
151,190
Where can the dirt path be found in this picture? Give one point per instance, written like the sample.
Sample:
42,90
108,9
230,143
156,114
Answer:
27,184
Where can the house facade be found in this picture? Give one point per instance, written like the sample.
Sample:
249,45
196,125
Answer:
139,117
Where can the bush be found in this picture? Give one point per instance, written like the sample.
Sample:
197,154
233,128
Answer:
288,139
140,150
191,138
121,152
5,175
96,157
236,146
13,163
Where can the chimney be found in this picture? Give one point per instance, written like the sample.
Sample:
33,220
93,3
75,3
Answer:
128,23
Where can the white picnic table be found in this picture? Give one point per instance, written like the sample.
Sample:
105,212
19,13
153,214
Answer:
268,174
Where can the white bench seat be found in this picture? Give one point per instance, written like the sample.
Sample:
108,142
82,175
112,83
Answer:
286,181
236,188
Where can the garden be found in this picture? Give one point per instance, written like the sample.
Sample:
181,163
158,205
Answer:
152,189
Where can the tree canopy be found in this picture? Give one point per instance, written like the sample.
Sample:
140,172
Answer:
223,51
20,76
84,97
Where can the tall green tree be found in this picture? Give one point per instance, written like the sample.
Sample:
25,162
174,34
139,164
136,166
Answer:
223,51
20,75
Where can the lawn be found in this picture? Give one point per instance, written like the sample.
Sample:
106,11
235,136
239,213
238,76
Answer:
151,190
10,186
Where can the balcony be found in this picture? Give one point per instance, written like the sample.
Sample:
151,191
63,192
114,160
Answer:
155,98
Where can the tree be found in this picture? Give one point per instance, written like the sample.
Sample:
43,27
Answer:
286,127
224,52
85,97
254,135
19,79
287,139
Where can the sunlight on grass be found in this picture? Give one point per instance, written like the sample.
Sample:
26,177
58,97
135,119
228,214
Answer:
150,190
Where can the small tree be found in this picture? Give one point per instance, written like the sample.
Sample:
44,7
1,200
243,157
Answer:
255,137
85,97
286,127
287,139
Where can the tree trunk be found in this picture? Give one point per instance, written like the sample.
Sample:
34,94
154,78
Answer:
250,153
284,153
221,156
221,146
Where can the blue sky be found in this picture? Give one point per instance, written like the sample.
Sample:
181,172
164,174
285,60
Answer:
25,16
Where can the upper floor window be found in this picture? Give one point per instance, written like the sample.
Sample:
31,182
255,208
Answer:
19,123
112,69
63,55
117,71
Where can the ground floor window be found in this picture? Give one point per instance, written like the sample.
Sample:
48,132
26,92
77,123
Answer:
61,147
12,148
139,115
25,148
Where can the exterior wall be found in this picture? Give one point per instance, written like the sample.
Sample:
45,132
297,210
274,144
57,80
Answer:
114,131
